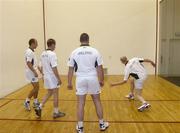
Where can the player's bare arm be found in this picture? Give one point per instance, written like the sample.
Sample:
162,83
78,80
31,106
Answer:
100,75
150,61
70,75
56,73
40,69
118,83
32,68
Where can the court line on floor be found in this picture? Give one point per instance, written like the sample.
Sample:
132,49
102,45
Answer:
39,120
6,103
13,99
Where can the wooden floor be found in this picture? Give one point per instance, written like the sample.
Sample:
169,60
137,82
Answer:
162,117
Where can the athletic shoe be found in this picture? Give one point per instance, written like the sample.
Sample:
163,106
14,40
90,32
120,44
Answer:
104,126
38,111
147,105
59,114
143,107
27,105
130,96
36,104
79,129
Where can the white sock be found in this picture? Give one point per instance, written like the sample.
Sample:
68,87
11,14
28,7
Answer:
40,106
27,99
36,100
144,102
80,123
56,110
101,121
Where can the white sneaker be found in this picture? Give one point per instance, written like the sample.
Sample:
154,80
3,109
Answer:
147,105
38,111
36,104
104,126
79,129
59,114
143,107
27,105
130,96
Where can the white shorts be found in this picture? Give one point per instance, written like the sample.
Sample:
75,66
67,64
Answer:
87,85
30,77
139,83
50,82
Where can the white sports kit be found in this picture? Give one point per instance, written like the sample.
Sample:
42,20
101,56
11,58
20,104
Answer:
135,68
48,61
85,59
30,57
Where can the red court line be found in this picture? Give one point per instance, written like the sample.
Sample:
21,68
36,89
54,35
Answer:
6,103
89,121
101,100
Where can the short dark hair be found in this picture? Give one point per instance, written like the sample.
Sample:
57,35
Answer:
32,40
124,59
50,42
84,37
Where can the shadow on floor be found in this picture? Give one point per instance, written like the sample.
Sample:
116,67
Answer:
174,80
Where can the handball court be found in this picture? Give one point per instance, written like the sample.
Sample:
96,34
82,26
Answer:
122,114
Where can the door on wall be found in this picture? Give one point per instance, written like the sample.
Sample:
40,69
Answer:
174,67
164,47
164,58
169,40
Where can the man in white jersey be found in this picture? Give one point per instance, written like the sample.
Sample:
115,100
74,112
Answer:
31,73
51,78
87,63
135,68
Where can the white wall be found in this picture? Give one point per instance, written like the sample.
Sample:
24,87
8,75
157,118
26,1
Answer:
21,20
116,28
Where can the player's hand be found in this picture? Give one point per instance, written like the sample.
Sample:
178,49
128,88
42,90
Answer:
70,87
101,83
153,64
42,78
111,84
59,82
35,74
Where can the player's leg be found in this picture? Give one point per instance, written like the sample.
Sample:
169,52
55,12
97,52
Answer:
131,93
80,112
45,99
99,110
49,85
34,91
94,90
98,105
132,86
81,91
138,93
56,112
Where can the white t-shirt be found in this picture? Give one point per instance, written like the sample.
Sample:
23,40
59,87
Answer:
30,57
135,68
85,59
48,61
